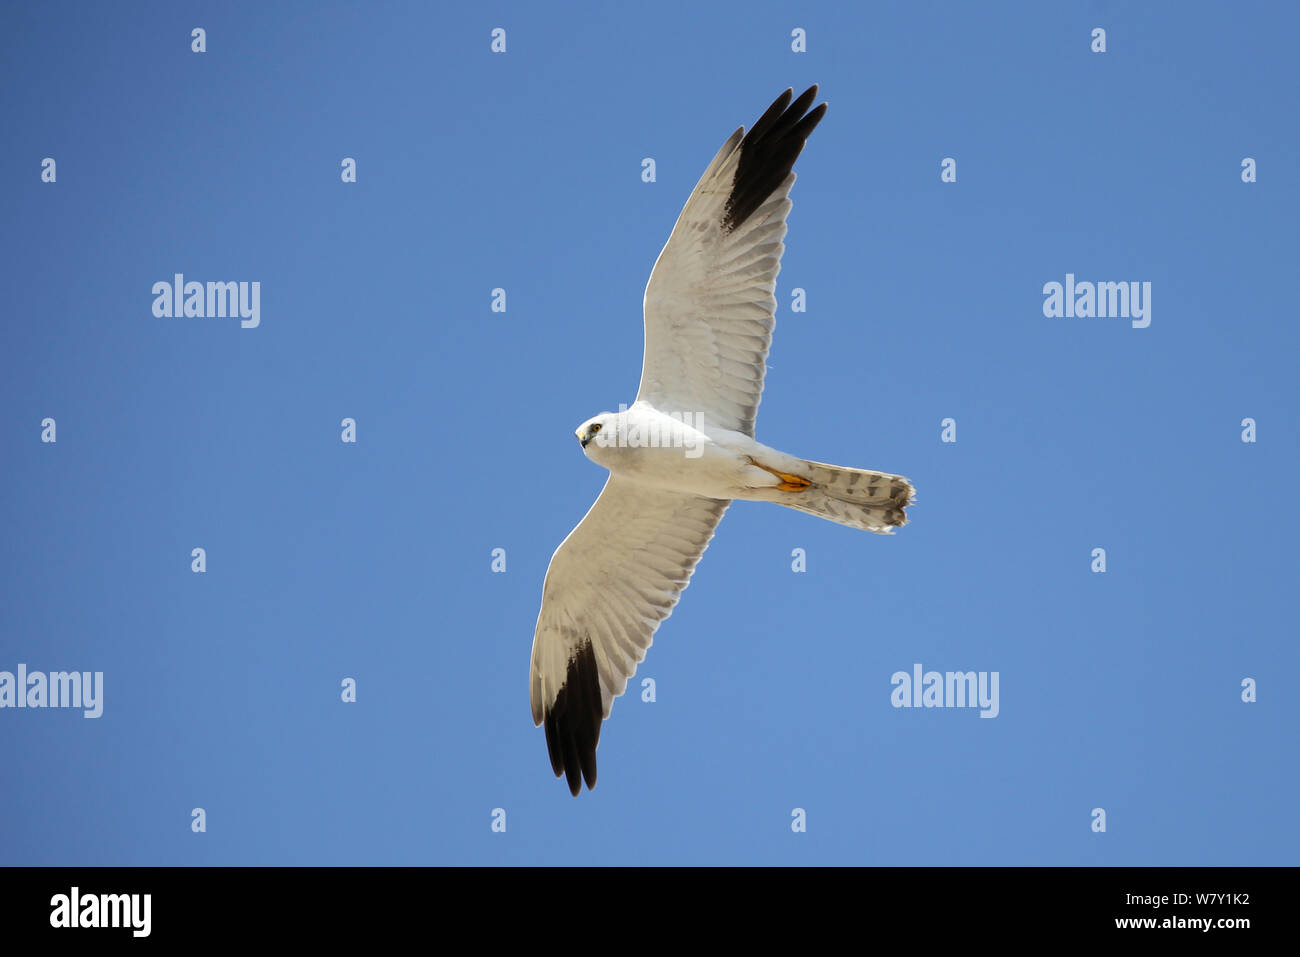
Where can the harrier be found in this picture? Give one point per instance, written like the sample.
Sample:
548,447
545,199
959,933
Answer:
686,447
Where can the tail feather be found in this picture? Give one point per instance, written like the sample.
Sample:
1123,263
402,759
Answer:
859,498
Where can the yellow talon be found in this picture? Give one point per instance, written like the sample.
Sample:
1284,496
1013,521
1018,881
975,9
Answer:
788,483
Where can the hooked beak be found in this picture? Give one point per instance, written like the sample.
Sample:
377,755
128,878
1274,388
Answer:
584,439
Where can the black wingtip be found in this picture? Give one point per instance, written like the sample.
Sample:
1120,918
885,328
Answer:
768,152
573,722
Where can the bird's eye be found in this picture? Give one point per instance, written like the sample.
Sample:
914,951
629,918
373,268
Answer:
595,428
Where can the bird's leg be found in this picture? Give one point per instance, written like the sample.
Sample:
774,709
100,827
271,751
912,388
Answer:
789,483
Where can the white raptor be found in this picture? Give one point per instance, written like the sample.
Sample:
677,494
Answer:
686,447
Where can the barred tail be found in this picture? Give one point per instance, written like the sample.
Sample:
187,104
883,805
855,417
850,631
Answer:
858,498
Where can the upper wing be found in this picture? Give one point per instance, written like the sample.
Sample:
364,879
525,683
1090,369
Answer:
709,305
611,583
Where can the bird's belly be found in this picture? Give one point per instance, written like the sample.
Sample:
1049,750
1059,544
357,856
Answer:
707,470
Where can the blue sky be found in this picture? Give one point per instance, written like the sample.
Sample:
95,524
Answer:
1119,690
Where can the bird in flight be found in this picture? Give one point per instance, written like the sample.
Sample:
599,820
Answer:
686,448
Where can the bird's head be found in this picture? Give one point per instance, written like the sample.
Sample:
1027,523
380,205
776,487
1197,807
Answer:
591,429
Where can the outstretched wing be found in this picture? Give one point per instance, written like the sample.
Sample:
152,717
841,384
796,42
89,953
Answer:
710,304
611,583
